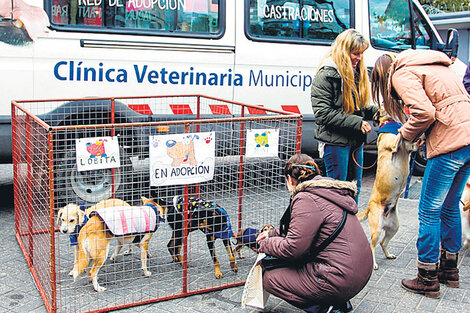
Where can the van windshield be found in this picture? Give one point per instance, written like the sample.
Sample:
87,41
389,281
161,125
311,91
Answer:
390,26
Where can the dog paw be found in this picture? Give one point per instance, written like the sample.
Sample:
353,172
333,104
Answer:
466,244
234,267
391,256
376,266
71,273
147,273
128,251
219,275
74,275
100,289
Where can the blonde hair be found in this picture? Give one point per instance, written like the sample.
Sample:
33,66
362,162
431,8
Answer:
382,87
348,42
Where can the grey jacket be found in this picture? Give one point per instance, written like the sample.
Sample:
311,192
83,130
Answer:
332,125
342,269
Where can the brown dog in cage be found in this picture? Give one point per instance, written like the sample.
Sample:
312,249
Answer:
123,222
246,237
72,217
209,218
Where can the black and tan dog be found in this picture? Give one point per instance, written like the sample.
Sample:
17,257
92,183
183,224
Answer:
246,237
393,168
209,218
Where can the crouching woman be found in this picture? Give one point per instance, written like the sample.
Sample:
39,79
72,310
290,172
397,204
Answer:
333,275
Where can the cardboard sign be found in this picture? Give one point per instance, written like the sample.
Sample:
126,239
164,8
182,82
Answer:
182,158
262,143
97,153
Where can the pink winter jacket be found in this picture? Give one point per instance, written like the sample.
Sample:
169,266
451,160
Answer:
438,102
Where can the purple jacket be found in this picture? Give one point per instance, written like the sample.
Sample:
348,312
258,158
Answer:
342,269
466,78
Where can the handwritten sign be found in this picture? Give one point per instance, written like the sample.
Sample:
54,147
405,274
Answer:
262,143
96,153
182,158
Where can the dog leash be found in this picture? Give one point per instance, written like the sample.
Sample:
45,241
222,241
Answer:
355,161
405,196
387,127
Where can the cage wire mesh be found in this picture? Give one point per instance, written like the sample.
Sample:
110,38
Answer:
250,189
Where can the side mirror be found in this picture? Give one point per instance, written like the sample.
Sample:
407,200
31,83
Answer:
452,44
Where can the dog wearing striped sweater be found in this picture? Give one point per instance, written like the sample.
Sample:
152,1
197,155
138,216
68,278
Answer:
126,223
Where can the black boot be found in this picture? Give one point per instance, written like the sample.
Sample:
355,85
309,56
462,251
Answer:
426,282
448,272
330,308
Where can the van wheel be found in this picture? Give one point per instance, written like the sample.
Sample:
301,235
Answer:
72,186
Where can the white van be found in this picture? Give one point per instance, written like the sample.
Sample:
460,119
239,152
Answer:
262,52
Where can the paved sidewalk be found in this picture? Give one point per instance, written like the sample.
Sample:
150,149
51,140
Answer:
382,294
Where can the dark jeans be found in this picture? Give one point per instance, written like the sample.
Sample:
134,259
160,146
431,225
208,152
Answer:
438,211
340,165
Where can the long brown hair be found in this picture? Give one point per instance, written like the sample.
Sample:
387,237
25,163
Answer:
301,167
351,41
382,87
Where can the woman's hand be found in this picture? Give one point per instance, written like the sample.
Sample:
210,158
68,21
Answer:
365,127
261,237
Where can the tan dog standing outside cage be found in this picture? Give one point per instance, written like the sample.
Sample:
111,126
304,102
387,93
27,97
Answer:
393,159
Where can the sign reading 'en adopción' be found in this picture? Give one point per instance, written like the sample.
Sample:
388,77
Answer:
182,158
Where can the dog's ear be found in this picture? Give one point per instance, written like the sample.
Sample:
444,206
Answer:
144,200
59,214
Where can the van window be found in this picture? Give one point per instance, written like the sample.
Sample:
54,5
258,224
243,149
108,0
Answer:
192,16
305,20
423,31
390,26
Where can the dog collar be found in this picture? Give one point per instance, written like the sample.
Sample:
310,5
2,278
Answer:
74,236
390,127
160,219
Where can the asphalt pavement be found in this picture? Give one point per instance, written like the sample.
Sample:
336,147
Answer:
383,293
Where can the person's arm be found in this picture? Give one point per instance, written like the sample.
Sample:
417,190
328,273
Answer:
422,112
369,112
466,78
323,104
306,220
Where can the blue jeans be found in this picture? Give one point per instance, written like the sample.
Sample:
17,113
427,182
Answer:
340,164
438,211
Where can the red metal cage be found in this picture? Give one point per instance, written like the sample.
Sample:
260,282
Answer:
47,177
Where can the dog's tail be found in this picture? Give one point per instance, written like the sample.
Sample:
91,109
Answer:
362,216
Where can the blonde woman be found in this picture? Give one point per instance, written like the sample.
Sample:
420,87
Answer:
340,101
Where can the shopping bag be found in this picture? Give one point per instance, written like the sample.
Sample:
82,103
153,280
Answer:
253,293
